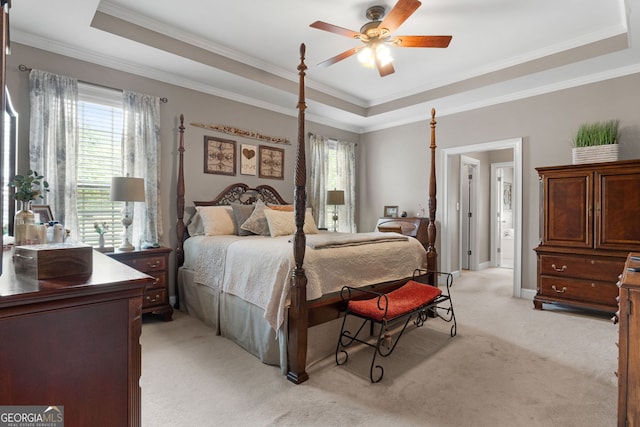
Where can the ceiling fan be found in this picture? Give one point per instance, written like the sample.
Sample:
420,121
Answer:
376,34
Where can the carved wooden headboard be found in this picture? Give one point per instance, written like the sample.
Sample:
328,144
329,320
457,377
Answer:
242,193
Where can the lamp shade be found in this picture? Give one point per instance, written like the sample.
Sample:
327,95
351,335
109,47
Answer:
127,189
335,197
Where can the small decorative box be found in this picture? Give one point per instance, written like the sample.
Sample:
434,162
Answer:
53,260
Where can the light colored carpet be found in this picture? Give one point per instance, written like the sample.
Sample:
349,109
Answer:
509,365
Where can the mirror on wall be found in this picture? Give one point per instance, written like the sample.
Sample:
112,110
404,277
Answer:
8,156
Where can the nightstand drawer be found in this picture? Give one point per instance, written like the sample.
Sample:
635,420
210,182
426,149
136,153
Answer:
154,262
154,296
147,264
159,280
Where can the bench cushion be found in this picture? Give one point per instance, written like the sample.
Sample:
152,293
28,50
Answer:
405,299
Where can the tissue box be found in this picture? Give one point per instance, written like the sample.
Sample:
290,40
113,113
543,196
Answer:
53,260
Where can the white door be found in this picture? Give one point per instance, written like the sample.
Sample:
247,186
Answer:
468,213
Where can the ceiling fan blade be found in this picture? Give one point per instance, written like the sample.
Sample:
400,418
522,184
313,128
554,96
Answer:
400,12
421,41
335,29
340,56
385,70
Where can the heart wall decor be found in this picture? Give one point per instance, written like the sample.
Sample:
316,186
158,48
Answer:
248,159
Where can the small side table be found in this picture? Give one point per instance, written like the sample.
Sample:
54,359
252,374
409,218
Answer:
154,262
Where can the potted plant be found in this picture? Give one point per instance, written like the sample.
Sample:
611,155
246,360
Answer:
28,188
596,142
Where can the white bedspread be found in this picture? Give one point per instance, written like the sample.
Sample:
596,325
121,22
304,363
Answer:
258,268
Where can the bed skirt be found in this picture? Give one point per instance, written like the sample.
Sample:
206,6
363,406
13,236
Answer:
244,324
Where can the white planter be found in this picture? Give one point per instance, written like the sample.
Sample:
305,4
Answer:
596,154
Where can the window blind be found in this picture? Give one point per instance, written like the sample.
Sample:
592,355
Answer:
100,124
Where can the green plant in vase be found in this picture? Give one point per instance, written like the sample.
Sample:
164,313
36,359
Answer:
596,142
28,188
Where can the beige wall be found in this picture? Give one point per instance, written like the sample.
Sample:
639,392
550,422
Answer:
196,107
393,163
546,123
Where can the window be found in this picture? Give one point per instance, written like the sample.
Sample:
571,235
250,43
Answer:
332,178
100,124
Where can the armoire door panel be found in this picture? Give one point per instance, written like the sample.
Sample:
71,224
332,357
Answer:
618,211
568,217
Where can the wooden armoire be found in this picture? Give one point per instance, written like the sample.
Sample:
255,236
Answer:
590,216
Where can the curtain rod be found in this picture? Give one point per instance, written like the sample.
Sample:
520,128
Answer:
22,67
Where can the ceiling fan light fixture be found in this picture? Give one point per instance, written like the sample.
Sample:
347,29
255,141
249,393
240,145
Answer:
367,57
373,53
383,54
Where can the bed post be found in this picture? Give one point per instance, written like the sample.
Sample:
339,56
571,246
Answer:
298,313
180,228
432,254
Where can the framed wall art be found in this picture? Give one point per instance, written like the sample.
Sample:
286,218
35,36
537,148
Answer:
248,159
271,162
219,156
390,212
43,212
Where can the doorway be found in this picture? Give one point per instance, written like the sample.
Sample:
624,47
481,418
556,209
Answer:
449,254
502,235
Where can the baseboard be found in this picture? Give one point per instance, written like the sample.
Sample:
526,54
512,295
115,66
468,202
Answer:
527,294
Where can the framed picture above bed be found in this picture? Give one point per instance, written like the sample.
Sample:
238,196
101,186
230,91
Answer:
271,162
248,159
219,156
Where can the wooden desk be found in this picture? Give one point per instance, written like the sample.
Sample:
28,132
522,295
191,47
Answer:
74,342
628,345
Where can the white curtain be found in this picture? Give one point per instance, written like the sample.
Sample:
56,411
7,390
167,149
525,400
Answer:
339,157
53,145
141,150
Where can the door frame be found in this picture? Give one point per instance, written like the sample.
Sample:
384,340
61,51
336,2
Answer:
445,248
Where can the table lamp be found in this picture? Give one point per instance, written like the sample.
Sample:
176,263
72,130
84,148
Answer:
126,189
335,198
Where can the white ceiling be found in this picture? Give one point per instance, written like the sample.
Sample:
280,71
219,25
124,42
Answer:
248,50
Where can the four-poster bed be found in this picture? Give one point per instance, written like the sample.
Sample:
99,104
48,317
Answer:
286,316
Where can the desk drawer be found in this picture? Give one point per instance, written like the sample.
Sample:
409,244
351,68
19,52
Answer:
577,289
589,268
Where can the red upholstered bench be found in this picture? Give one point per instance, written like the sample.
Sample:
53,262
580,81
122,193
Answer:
414,297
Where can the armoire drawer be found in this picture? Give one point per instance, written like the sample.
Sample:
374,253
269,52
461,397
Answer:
589,268
577,289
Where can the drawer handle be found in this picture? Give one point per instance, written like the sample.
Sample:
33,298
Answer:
562,291
156,281
154,265
149,299
564,268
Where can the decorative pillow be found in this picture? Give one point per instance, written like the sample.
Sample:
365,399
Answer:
241,213
282,208
217,220
257,222
195,227
282,223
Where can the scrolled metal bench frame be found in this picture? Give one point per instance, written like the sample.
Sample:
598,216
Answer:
441,306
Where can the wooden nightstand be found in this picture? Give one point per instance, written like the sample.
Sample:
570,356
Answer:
154,262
